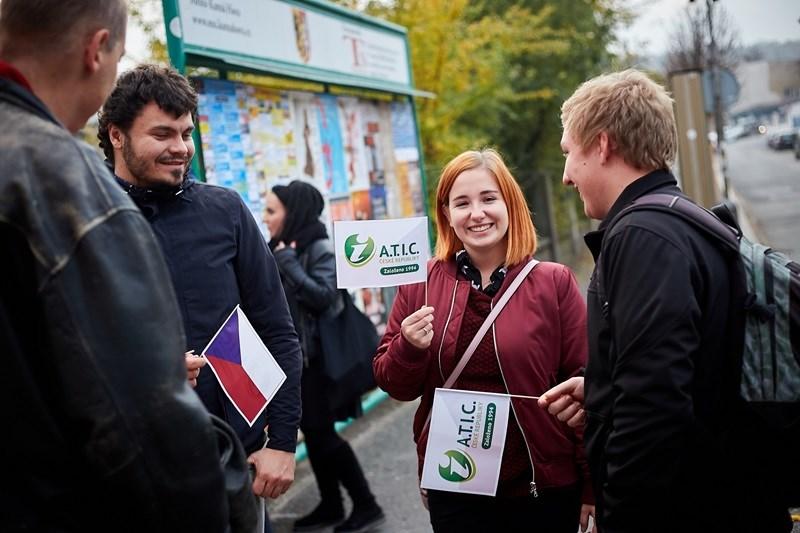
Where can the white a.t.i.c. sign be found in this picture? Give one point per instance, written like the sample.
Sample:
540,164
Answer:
381,253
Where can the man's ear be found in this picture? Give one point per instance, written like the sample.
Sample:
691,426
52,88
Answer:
116,136
96,46
605,146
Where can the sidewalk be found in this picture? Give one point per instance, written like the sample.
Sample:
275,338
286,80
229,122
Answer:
382,441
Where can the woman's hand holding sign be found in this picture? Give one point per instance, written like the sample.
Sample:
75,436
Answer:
417,328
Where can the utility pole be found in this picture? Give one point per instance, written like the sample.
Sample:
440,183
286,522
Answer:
713,64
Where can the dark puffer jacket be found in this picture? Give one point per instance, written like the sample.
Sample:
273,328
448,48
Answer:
101,431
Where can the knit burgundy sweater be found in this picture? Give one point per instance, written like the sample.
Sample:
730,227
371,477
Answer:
482,373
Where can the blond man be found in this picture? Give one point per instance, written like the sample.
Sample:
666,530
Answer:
660,406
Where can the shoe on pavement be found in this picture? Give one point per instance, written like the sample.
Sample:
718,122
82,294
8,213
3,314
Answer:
362,520
320,518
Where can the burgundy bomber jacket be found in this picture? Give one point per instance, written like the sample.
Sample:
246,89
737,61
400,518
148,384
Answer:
540,338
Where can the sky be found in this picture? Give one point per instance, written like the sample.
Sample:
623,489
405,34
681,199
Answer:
756,20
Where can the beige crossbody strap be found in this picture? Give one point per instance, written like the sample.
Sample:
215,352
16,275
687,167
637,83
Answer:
476,340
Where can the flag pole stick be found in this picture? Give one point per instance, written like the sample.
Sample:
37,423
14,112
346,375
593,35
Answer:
523,397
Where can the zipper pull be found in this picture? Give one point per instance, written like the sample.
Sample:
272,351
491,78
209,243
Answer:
533,489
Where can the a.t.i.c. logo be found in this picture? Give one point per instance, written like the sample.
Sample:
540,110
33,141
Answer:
460,467
358,251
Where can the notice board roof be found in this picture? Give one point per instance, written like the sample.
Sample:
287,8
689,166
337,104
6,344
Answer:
311,40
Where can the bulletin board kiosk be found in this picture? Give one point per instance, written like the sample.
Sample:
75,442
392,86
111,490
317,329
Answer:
303,90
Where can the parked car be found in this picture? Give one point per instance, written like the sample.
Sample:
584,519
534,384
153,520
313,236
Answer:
781,138
797,147
735,131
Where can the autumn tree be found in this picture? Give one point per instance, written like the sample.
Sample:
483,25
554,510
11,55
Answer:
690,39
500,70
148,15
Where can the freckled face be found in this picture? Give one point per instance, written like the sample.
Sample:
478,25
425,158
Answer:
477,211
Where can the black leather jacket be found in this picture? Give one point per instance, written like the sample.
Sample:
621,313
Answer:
101,431
309,279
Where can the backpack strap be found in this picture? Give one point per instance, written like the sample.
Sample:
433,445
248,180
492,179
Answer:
700,218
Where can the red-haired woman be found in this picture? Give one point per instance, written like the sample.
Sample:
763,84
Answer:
485,238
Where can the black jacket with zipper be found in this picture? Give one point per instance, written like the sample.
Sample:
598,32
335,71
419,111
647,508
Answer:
661,382
217,259
309,280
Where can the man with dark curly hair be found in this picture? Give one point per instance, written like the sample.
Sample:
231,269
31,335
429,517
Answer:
215,252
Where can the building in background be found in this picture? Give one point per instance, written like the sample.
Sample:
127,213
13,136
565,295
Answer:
767,89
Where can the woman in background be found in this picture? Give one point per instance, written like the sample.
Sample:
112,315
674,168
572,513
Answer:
307,265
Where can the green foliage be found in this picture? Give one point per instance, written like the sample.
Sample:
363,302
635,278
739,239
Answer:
148,15
500,70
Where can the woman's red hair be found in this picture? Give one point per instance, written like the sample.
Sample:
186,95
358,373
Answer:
521,233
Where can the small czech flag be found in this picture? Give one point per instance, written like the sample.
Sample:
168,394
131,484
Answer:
244,367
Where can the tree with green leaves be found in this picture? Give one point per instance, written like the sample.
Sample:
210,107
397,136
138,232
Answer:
148,15
500,70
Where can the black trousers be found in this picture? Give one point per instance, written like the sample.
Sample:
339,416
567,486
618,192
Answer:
332,459
554,511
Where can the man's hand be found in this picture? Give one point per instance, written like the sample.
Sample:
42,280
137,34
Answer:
274,472
587,511
565,402
193,365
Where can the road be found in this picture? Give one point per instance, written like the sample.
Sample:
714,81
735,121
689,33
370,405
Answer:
768,184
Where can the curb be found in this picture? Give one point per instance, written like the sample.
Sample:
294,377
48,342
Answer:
749,226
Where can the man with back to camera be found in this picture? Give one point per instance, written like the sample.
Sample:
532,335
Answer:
661,407
216,254
101,431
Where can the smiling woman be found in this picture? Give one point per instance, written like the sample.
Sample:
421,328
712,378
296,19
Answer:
479,205
486,238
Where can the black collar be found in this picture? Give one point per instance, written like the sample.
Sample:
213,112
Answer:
465,266
661,179
146,195
657,179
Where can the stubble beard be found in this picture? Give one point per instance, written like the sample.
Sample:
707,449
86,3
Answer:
138,168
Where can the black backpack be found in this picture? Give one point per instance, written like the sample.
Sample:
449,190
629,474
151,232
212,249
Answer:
769,373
